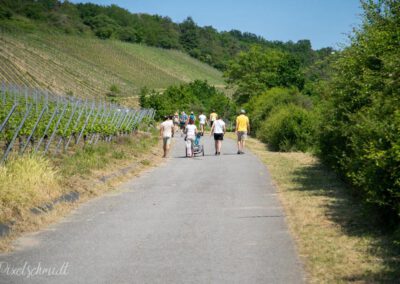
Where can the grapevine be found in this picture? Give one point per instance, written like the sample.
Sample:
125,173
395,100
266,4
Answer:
38,121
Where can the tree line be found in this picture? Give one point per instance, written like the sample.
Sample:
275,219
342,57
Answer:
204,43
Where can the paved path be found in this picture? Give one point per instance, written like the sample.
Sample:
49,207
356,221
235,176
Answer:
212,219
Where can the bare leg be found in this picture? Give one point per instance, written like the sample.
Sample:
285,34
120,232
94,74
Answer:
219,146
165,150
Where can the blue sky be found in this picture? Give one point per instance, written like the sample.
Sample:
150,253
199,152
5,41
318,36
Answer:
324,22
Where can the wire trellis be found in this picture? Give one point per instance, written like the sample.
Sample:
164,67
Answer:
47,123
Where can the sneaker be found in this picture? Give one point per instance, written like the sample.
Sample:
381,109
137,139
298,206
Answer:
216,153
238,152
242,152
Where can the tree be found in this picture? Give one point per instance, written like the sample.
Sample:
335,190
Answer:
196,96
258,70
128,34
102,25
189,34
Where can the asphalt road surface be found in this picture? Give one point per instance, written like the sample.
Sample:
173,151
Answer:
211,219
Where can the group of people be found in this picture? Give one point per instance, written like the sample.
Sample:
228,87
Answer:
186,123
182,120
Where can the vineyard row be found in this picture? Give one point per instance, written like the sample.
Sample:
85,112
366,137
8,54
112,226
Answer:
35,120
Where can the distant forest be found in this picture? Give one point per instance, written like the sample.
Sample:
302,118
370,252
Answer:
204,43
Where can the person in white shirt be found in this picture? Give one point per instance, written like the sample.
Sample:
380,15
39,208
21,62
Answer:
202,122
166,132
191,131
218,129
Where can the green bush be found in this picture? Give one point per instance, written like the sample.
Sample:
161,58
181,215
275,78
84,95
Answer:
128,34
360,137
289,128
262,106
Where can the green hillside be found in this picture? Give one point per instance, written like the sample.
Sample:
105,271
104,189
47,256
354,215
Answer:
88,67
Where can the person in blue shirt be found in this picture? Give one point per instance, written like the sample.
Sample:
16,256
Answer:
192,116
183,118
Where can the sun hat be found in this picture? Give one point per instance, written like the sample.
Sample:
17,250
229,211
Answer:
242,111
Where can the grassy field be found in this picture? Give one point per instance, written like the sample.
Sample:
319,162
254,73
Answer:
337,241
88,67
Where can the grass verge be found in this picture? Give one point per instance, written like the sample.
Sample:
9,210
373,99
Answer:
31,181
336,239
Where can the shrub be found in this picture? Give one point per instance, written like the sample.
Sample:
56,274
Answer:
262,106
289,128
128,34
360,138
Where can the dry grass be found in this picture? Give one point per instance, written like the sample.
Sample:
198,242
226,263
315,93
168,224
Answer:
335,239
25,183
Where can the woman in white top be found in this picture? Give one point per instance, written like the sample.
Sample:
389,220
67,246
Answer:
202,121
191,131
218,129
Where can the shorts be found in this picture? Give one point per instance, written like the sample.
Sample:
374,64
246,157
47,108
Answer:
242,135
218,136
167,140
211,123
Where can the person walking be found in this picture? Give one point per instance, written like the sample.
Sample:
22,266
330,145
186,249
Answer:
183,121
213,117
192,116
166,132
202,122
241,130
218,129
191,131
175,120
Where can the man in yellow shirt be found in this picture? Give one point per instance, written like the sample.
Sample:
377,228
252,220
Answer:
213,117
242,128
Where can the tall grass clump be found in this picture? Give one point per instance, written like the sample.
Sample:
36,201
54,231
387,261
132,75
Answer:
26,182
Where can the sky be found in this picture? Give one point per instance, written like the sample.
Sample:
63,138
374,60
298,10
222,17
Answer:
324,22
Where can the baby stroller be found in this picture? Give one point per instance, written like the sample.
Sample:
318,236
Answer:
196,147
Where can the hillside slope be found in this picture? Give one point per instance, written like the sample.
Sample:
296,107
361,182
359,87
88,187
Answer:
87,67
